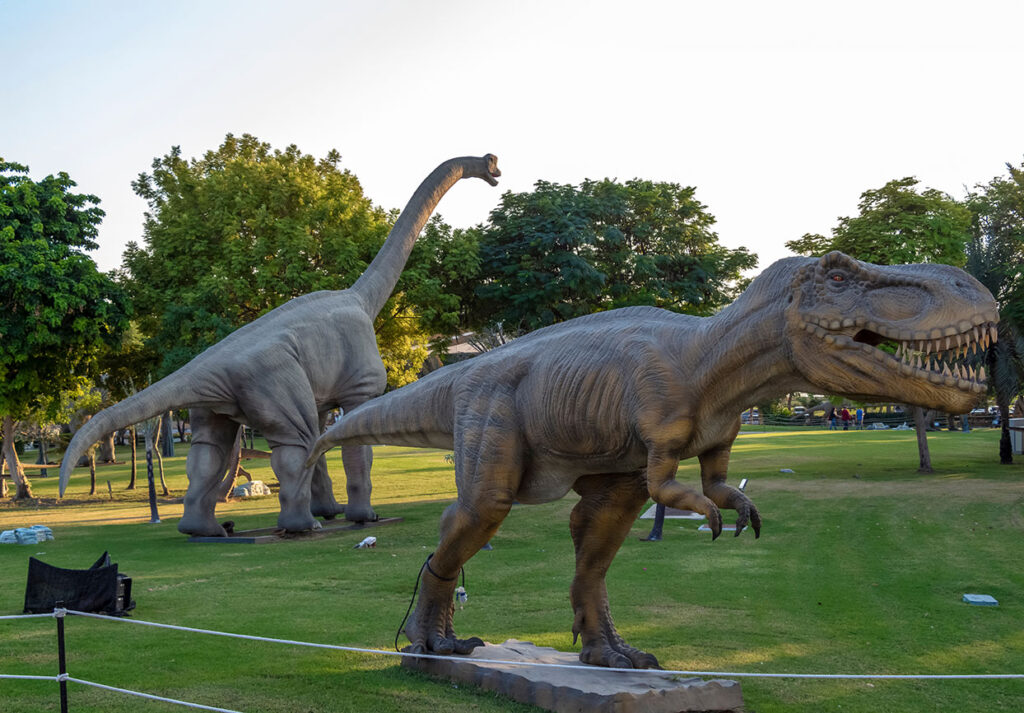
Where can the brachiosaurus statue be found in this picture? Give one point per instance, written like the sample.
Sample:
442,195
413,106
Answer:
608,404
281,374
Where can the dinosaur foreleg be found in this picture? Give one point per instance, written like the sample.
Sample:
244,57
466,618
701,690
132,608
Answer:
288,463
663,487
213,437
714,465
358,461
599,523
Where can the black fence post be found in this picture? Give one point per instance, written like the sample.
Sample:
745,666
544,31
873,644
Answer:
62,663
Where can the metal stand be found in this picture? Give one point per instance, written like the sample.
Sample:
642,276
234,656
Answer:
659,523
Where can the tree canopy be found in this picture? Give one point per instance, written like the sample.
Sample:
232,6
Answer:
59,312
897,224
241,230
561,251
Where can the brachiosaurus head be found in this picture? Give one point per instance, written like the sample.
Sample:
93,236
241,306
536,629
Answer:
900,332
485,167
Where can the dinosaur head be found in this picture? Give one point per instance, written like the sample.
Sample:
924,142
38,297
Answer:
485,167
897,332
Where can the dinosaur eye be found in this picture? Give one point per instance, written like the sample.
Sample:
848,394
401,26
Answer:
837,277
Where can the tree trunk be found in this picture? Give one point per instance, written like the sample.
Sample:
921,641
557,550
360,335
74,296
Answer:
131,483
22,488
167,431
92,471
107,454
921,426
42,456
1005,444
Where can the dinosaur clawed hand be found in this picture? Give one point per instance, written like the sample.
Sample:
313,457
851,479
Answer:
747,512
731,498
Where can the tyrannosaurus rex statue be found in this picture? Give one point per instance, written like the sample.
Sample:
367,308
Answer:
281,374
608,404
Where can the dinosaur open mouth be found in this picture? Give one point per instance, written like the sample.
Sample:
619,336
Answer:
938,355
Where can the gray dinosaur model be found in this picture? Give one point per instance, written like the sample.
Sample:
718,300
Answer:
608,404
281,374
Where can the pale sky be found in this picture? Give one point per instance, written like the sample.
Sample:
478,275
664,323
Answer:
780,113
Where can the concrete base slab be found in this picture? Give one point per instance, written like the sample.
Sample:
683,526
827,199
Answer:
595,690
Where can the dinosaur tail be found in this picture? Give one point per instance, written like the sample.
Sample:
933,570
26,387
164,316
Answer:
377,283
419,415
167,394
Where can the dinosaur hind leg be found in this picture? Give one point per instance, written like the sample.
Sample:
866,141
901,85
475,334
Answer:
488,470
358,461
599,523
213,437
322,502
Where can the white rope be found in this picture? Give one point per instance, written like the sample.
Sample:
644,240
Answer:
48,615
28,678
580,667
149,696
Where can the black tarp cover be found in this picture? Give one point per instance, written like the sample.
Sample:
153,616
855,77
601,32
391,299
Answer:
89,590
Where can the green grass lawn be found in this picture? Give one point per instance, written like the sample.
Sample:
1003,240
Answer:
860,569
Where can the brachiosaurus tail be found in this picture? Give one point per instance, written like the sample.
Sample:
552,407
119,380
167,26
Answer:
378,282
420,415
165,395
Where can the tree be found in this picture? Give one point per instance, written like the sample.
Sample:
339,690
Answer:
896,225
994,256
59,312
563,251
241,230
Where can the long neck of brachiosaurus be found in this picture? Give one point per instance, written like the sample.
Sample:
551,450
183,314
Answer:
377,283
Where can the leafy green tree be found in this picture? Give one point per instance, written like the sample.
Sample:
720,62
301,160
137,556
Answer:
562,251
59,312
241,230
995,256
898,224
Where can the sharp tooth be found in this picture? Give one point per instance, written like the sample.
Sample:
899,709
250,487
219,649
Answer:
917,361
949,343
977,334
995,334
928,347
981,373
945,370
971,373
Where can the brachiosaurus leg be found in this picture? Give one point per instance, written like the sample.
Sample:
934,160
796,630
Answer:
213,437
322,503
289,464
599,523
488,470
357,461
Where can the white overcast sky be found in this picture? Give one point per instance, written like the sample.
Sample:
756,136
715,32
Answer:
780,113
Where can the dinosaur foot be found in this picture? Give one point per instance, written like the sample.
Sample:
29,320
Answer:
294,523
328,512
617,655
201,526
359,513
443,646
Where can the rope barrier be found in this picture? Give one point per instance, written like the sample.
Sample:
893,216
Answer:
579,667
48,615
149,696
